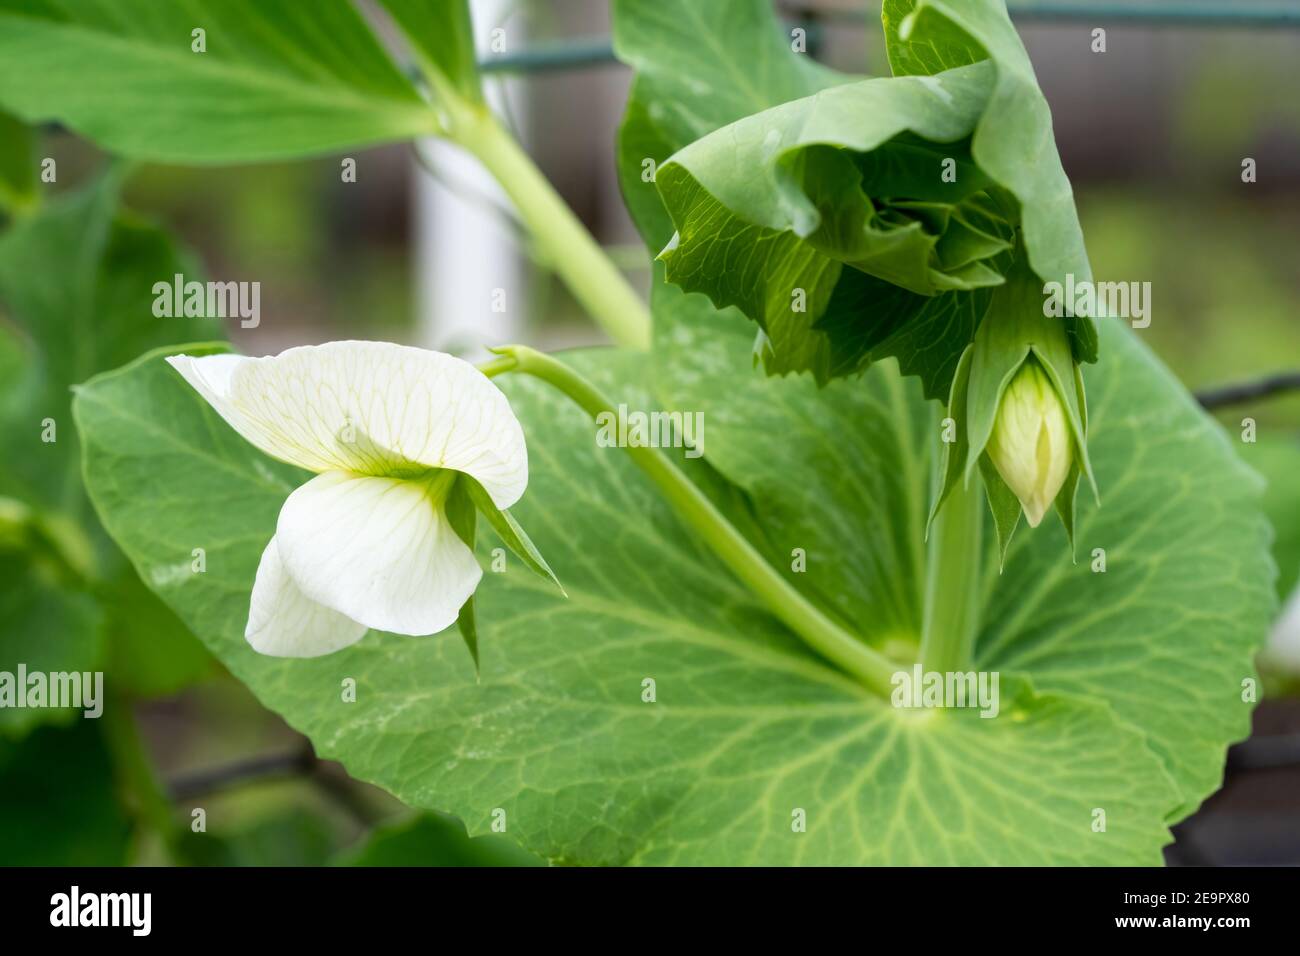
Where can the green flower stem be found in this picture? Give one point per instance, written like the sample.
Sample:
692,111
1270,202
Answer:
496,366
822,634
952,578
567,246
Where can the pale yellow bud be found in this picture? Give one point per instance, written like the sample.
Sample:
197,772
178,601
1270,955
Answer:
1031,445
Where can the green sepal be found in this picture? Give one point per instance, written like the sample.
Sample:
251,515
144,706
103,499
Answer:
1066,497
954,452
1064,505
1068,381
465,623
461,511
1005,507
510,532
463,518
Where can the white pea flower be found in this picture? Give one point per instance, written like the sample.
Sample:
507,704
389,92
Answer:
390,431
1031,445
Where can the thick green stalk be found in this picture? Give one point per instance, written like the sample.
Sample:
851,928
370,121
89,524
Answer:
817,630
952,578
569,249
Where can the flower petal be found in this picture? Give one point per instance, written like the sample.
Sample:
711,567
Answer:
379,550
284,622
372,408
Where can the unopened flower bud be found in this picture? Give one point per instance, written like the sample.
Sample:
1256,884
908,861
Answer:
1031,445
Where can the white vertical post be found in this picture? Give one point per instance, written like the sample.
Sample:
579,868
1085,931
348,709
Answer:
470,275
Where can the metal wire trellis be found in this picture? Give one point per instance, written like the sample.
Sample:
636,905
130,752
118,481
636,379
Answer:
586,52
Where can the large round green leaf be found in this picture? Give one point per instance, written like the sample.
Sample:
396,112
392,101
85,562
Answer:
1164,634
1119,690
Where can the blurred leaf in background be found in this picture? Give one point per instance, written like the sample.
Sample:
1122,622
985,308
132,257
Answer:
289,837
151,653
436,839
46,626
1223,284
57,800
1278,460
17,165
307,78
76,280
